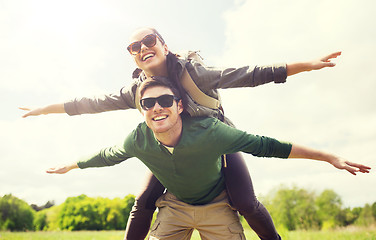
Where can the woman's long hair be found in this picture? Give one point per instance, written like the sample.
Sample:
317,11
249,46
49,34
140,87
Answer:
174,70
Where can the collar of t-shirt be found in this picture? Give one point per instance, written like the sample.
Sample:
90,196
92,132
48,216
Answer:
170,149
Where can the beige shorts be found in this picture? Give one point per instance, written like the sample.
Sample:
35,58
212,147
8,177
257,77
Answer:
176,220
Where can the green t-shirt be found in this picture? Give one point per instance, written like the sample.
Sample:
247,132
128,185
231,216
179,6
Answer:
193,171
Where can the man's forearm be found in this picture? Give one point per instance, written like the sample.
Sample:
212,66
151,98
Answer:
337,162
309,153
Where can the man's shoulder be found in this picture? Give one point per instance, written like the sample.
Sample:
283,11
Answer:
139,132
200,122
138,137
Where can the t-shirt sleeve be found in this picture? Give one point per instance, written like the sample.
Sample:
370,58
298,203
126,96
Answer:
233,140
109,156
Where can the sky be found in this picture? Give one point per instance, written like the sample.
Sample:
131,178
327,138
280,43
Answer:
53,51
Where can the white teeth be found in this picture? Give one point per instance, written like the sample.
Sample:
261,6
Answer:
160,118
147,56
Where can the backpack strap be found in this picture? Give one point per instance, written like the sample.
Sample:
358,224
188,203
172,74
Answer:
197,95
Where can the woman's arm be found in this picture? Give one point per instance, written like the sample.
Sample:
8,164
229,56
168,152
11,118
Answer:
294,68
340,163
208,78
53,108
122,100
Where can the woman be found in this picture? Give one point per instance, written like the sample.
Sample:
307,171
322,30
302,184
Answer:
153,58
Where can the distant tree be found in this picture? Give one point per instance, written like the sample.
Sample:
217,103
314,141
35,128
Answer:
348,216
329,209
77,213
15,214
126,206
40,221
365,217
293,208
45,206
52,217
85,213
374,210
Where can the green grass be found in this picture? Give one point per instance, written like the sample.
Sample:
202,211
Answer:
350,233
82,235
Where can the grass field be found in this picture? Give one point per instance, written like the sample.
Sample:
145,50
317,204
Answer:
351,233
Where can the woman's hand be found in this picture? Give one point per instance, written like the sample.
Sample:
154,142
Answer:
53,108
32,112
324,62
294,68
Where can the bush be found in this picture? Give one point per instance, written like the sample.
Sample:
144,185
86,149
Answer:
15,214
293,208
85,213
40,221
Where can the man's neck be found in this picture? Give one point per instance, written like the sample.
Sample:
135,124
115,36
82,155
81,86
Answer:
172,137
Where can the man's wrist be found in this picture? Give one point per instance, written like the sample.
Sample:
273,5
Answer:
73,166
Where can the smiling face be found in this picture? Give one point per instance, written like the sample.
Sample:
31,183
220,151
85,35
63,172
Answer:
163,120
150,59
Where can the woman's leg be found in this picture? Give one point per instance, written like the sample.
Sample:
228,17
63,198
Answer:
240,191
142,212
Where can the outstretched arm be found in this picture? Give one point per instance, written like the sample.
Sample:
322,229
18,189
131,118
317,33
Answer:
122,100
62,169
103,158
340,163
294,68
53,108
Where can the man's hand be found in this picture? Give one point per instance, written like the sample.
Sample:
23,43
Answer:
351,167
298,151
62,169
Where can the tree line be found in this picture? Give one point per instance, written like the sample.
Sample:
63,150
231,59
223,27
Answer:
76,213
297,208
292,208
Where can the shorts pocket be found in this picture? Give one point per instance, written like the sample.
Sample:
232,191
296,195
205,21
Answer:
155,226
237,229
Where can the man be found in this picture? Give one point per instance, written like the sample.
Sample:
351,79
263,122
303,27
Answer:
184,153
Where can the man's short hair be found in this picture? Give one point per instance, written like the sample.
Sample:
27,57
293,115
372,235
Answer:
158,82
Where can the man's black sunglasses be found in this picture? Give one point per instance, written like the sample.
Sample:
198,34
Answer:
163,101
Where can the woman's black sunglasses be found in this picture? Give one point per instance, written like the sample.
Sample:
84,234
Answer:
163,101
149,41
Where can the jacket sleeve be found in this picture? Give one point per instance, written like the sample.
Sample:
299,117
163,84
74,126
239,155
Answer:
209,78
122,100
